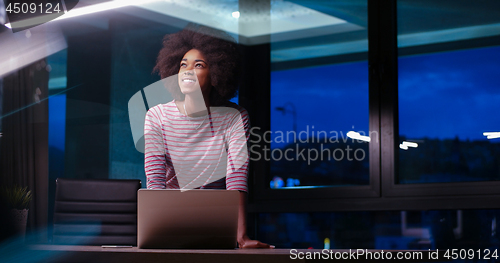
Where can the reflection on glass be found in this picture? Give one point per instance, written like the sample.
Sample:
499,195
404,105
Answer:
404,230
319,99
322,137
446,140
448,91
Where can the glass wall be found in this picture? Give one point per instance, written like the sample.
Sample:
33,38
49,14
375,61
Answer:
422,230
448,92
57,63
449,54
57,113
319,100
1,104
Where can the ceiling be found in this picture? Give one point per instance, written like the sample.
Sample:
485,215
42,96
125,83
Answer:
302,29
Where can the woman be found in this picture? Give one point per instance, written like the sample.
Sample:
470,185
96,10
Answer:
200,135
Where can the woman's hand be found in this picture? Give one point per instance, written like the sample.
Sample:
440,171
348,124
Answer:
246,242
243,240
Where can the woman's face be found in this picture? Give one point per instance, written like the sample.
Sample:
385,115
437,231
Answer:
194,72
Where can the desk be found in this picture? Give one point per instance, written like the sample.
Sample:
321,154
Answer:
96,254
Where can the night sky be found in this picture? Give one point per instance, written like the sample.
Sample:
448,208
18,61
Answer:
450,94
330,98
441,95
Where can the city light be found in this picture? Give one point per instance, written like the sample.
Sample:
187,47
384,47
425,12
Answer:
491,135
358,136
404,145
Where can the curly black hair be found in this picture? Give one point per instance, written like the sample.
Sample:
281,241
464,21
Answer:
220,51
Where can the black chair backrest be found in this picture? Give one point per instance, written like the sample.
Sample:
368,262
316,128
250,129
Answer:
95,212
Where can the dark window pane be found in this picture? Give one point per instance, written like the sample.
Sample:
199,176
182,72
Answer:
423,230
319,93
449,93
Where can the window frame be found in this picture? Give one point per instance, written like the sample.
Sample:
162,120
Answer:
382,193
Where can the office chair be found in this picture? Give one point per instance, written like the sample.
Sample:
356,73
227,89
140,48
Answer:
95,212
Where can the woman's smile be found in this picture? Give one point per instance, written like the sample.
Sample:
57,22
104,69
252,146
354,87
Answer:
194,72
188,81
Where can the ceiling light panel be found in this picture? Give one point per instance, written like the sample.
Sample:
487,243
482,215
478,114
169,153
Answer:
256,22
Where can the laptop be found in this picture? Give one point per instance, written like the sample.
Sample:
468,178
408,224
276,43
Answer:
192,219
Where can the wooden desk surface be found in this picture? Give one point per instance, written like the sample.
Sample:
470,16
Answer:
97,254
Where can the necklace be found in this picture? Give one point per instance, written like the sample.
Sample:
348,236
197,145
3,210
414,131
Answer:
185,111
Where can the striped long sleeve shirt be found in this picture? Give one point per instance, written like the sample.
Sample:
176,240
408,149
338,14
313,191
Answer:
183,152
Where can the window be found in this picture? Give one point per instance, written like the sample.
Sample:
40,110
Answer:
313,110
448,92
412,230
447,101
1,104
319,102
431,139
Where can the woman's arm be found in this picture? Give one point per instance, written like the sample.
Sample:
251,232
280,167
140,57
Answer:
237,173
243,240
154,151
